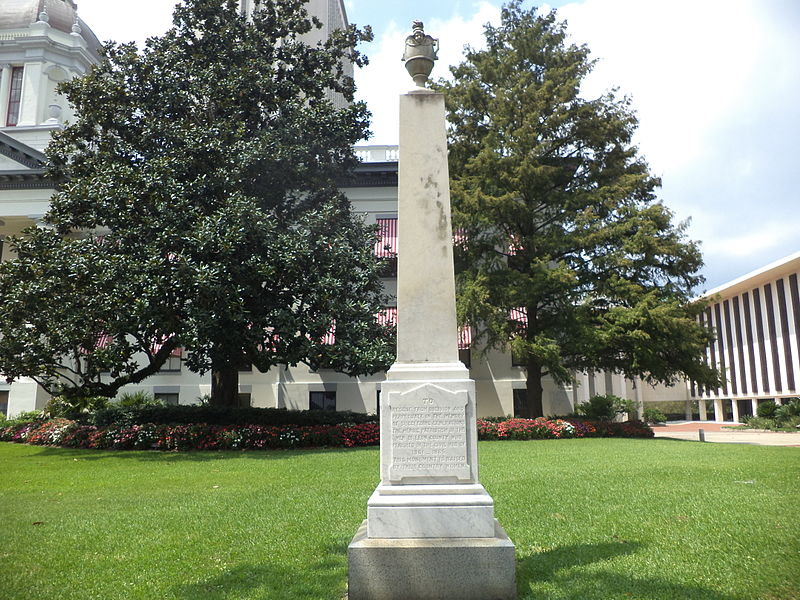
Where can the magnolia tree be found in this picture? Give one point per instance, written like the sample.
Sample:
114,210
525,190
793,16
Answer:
197,208
567,257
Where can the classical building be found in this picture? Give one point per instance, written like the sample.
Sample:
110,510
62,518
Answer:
42,43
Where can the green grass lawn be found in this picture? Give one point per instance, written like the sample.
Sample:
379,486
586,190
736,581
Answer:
591,518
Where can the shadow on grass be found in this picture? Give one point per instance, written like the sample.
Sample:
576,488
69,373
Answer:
321,579
187,456
560,569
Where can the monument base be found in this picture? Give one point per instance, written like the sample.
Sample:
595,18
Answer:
430,511
431,568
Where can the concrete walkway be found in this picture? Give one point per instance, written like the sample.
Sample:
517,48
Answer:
714,432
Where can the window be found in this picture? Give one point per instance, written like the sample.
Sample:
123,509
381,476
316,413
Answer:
519,402
465,356
4,402
386,246
173,364
167,398
322,400
14,97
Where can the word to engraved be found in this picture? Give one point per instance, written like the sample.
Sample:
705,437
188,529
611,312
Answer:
428,437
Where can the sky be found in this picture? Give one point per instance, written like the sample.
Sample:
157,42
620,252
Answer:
715,84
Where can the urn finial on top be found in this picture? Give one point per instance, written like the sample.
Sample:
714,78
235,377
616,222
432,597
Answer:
420,53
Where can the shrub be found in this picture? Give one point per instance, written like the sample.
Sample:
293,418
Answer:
766,410
69,407
221,415
758,422
138,399
24,417
605,407
653,415
784,414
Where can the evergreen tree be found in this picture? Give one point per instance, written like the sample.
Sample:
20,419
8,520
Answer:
198,208
567,257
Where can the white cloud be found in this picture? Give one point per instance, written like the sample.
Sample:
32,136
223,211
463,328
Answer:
128,21
715,84
687,65
770,236
382,82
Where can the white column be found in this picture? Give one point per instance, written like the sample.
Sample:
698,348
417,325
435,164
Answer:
5,90
754,405
735,409
701,402
623,386
30,101
426,310
719,413
687,407
637,389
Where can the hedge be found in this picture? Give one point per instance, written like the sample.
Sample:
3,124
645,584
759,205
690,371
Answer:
205,436
220,415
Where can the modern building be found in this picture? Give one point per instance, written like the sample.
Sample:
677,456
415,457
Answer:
757,320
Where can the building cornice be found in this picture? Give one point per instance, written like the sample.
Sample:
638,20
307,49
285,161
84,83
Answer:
374,174
21,153
27,179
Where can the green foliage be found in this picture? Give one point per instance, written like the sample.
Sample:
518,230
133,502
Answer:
560,217
605,407
759,422
200,172
785,417
767,409
654,415
22,418
138,399
787,410
74,406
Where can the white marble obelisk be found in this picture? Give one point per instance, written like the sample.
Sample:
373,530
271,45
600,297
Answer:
430,530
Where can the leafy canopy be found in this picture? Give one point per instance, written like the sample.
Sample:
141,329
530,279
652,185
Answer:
197,207
560,216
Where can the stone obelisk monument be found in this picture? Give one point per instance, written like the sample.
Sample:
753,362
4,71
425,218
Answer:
430,530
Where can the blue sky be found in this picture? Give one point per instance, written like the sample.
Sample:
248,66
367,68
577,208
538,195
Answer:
715,83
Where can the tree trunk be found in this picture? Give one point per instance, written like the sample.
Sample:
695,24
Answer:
225,386
532,407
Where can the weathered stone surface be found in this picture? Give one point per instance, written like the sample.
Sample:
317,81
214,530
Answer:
432,569
428,433
426,317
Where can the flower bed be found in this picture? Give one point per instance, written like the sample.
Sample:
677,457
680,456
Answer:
202,436
553,429
198,436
